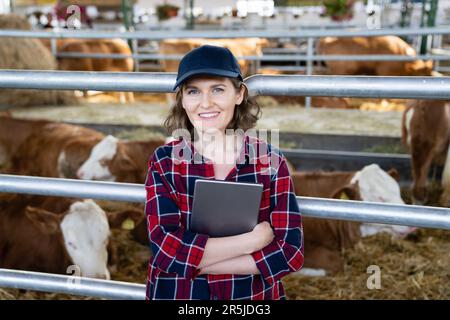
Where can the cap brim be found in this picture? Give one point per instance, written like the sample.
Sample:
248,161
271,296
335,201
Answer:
213,72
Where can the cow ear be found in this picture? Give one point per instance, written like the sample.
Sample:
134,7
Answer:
349,192
127,219
47,222
394,174
125,162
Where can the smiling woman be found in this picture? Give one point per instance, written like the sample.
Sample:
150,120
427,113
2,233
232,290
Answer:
210,123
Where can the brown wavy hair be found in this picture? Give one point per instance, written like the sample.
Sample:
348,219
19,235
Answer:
245,114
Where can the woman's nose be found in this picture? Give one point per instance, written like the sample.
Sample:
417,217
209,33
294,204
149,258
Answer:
205,101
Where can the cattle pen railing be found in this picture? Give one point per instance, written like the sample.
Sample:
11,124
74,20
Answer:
282,85
309,35
417,216
393,87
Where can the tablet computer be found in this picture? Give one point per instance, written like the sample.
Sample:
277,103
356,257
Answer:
224,208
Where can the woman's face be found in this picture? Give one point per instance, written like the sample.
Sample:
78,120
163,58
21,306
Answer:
210,101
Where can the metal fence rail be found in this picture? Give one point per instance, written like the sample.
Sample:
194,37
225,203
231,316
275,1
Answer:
416,216
351,86
287,85
213,34
47,282
272,57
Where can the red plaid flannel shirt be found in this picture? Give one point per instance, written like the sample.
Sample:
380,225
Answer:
177,251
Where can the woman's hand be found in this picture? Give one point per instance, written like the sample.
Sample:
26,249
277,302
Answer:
262,235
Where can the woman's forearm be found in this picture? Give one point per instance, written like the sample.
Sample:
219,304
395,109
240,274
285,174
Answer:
244,264
220,249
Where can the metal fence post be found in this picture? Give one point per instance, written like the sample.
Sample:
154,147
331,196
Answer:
309,67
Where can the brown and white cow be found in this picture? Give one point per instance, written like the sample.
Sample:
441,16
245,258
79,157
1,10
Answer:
103,46
426,132
385,45
39,240
52,149
120,161
14,132
325,238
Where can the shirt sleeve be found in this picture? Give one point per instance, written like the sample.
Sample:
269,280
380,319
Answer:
175,249
285,253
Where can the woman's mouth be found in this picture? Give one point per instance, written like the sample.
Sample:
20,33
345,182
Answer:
209,115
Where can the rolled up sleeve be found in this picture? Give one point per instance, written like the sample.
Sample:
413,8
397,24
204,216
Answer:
285,253
175,249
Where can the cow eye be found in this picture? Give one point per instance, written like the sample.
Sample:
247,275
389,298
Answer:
72,245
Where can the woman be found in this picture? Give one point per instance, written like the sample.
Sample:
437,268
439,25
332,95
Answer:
213,112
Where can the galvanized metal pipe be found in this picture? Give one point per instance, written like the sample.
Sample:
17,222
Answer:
416,216
351,86
78,80
309,67
271,57
287,85
130,192
372,212
213,34
48,282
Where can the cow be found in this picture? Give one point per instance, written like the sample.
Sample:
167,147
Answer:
385,45
325,238
120,161
13,132
426,133
105,46
35,239
51,149
50,234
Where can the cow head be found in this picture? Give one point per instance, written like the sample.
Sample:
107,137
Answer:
376,185
96,167
114,160
74,154
85,232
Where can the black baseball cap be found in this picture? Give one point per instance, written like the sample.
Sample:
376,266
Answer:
208,60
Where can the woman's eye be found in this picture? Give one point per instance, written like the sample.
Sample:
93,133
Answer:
192,91
217,90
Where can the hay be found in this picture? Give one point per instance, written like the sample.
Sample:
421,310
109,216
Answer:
5,295
14,21
410,269
28,54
